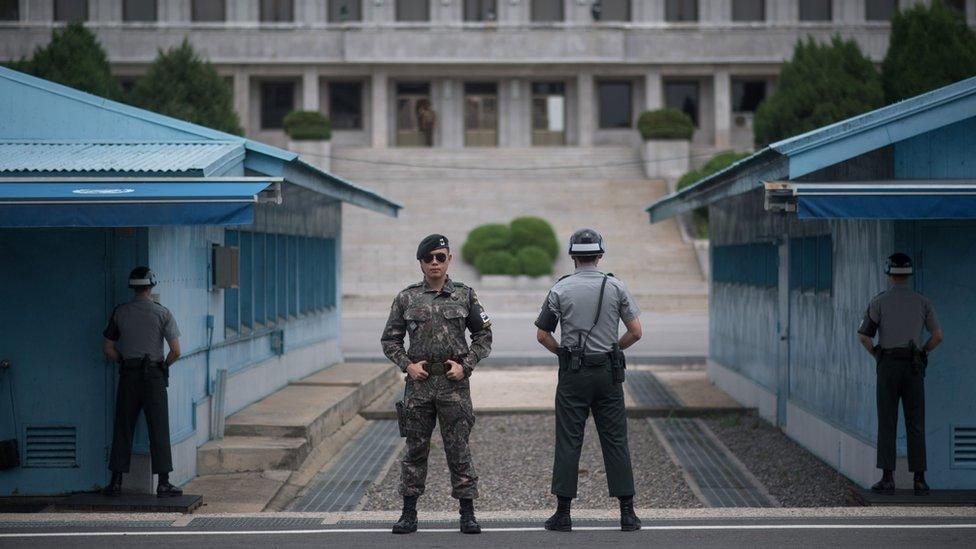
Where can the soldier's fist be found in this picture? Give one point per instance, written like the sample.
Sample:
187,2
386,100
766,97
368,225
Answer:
456,373
416,371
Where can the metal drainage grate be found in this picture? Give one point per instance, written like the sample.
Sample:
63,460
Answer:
236,523
721,481
647,390
85,524
344,483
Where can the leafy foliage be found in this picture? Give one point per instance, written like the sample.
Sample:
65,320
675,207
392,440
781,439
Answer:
534,231
74,58
665,124
715,164
307,125
486,238
497,262
534,261
822,84
930,47
182,85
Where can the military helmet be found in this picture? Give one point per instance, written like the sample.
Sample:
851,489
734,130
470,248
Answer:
899,264
141,277
586,242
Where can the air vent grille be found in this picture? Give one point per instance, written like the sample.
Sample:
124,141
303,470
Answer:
51,446
964,446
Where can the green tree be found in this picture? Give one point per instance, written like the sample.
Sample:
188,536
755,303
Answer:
182,85
931,46
74,58
822,84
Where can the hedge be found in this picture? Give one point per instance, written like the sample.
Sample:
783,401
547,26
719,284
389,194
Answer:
665,124
534,231
307,125
534,261
486,238
497,262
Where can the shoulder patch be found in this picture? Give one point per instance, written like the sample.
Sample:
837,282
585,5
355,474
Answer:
459,284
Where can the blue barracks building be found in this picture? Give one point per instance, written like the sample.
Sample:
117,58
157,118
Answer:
244,239
799,235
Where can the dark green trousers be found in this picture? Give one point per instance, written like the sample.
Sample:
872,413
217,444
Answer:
577,394
141,390
898,381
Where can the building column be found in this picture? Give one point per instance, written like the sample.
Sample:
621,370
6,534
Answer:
379,91
585,107
653,90
242,98
310,90
723,108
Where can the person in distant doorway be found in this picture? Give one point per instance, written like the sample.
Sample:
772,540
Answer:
435,313
426,120
134,339
897,317
589,306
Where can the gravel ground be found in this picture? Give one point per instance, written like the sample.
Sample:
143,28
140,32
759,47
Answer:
792,475
513,457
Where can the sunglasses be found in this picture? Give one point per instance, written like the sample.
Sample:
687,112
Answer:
441,257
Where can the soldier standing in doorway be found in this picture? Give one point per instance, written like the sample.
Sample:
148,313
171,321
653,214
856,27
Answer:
589,306
134,339
435,312
897,317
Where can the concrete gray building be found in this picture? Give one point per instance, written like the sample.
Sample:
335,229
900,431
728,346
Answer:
505,73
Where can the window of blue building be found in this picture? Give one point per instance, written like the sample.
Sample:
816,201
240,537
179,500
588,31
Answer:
812,263
281,277
755,264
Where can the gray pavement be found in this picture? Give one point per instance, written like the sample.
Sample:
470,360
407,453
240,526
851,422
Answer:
716,532
668,337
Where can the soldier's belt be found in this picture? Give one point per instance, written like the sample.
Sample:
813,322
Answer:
598,359
898,352
437,368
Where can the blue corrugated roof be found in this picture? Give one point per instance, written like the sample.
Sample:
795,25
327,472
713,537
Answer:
60,156
835,143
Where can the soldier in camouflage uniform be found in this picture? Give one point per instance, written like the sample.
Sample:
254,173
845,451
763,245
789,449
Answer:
435,313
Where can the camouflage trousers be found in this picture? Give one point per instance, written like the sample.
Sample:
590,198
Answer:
438,399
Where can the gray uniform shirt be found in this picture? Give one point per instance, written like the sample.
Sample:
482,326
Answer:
574,299
897,317
139,328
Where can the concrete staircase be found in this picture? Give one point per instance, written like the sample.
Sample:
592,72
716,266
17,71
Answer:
279,431
556,184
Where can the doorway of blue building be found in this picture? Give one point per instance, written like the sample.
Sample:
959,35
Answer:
54,295
947,276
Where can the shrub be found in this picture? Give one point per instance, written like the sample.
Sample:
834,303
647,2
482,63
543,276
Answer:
534,261
74,58
183,85
486,238
497,262
665,124
931,46
307,125
534,231
715,164
822,84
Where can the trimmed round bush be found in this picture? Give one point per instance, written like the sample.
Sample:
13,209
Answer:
486,238
497,262
307,126
717,163
665,124
534,261
535,231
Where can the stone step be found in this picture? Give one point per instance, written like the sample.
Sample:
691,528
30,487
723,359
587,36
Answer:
278,431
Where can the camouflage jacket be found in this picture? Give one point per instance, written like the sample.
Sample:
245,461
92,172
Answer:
436,322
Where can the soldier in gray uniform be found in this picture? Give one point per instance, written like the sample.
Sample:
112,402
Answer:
589,305
134,339
897,317
435,312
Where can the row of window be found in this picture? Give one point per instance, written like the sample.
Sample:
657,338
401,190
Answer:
757,264
281,277
614,98
277,11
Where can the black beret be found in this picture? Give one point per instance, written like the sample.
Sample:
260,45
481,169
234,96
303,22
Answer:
431,243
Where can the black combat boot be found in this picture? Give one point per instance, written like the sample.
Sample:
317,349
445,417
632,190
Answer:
628,519
560,521
921,488
469,524
887,483
114,488
407,524
166,490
